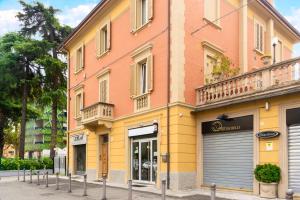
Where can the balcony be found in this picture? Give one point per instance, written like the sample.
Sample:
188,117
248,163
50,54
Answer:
275,80
98,114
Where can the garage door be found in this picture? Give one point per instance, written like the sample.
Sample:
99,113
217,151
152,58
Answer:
294,157
228,159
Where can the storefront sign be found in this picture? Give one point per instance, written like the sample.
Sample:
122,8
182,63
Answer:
269,146
229,125
267,134
78,139
145,130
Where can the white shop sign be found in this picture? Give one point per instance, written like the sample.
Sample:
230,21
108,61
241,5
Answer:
146,130
78,139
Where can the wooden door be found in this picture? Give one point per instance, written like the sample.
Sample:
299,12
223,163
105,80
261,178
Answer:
104,152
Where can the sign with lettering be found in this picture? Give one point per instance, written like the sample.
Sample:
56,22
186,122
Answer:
78,139
145,130
229,125
267,134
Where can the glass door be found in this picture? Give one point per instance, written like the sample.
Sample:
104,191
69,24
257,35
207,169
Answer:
144,160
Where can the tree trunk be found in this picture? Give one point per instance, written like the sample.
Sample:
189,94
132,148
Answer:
53,127
2,118
23,117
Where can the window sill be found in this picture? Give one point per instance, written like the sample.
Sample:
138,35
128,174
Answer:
141,27
261,53
78,71
103,54
214,24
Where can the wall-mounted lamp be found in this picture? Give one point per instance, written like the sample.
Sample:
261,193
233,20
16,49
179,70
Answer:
274,43
267,106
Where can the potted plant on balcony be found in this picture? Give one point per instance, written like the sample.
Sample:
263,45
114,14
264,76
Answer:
268,176
266,59
224,68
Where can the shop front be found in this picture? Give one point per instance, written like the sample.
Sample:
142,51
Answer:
293,127
143,156
228,152
79,148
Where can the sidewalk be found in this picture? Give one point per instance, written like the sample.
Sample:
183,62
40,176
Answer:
11,189
182,194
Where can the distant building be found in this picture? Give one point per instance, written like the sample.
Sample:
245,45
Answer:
38,134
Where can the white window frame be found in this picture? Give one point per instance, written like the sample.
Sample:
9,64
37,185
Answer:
78,113
143,77
260,38
217,12
79,58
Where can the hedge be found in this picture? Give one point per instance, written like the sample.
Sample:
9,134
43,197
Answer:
15,163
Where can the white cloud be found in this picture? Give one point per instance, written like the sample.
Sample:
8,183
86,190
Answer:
74,16
8,21
294,20
71,17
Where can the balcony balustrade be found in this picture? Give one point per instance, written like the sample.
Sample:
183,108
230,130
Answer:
97,113
277,79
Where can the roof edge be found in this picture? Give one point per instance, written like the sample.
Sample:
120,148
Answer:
277,14
97,8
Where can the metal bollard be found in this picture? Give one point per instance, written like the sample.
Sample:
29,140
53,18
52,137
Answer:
18,173
57,181
213,191
163,189
104,189
289,194
84,185
44,173
46,178
38,177
30,176
129,189
24,173
70,183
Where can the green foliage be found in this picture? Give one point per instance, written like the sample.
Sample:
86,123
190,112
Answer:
267,173
223,69
15,163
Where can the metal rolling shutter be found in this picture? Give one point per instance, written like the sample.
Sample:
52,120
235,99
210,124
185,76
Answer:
228,159
294,157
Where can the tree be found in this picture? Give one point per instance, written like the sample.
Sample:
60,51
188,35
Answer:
39,20
12,135
9,86
21,54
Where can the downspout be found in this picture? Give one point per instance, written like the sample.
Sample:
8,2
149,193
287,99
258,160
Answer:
68,112
168,94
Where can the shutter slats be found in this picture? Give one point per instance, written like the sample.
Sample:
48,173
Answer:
150,9
82,56
150,72
98,42
133,80
228,159
294,158
133,15
108,35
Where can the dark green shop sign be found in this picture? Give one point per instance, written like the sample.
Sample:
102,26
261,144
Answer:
267,134
229,125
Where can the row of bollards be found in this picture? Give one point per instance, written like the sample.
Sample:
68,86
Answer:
289,193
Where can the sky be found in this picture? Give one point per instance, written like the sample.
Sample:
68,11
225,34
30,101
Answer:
73,11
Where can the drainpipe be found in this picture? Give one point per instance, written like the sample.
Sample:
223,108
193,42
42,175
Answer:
168,94
68,110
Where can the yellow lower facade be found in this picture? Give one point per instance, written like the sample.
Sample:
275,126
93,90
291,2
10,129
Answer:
186,142
182,132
